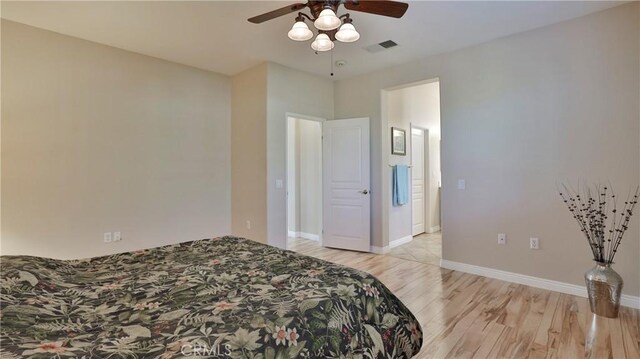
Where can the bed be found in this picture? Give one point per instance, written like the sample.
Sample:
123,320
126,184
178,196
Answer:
222,298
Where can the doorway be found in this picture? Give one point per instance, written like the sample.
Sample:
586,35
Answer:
304,179
328,186
415,229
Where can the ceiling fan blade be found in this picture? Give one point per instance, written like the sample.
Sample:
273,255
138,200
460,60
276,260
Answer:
277,13
378,7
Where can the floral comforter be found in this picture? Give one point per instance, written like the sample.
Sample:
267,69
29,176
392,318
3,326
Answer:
219,298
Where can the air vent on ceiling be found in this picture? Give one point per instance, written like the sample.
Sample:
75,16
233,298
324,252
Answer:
388,44
381,46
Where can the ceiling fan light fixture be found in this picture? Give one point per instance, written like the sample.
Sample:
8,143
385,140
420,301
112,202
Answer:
322,43
347,33
327,20
300,32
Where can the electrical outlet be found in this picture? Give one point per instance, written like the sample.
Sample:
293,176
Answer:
107,237
117,237
248,224
502,238
534,243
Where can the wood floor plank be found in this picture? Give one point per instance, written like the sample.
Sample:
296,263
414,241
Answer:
598,338
473,338
467,316
540,342
527,327
617,340
630,321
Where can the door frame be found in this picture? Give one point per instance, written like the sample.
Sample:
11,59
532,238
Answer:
299,116
427,177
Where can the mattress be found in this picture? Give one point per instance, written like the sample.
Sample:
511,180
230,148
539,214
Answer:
223,298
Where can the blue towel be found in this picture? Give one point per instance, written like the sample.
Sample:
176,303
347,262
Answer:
400,185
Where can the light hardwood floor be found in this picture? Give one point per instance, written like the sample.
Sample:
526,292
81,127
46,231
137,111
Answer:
425,248
464,315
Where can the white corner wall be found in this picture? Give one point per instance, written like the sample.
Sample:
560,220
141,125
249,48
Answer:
519,114
310,184
293,176
304,177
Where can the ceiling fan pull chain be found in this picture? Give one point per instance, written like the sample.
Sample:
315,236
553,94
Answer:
331,62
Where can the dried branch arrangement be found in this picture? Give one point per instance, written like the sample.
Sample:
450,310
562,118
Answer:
600,220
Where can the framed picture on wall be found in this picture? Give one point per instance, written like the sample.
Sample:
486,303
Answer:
398,141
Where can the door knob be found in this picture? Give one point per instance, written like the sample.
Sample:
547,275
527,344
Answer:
364,192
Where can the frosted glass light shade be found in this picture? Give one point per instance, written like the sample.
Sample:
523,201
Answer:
300,32
322,43
347,33
327,20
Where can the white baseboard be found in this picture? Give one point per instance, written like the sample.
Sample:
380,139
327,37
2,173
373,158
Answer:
577,290
400,241
313,237
434,229
379,250
310,236
392,244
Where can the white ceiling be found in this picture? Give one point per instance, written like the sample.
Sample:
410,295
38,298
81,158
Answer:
216,36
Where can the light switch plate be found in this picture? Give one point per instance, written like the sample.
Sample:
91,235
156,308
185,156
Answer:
502,238
462,184
107,237
117,236
279,183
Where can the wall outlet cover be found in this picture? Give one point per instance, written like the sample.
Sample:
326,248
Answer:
534,243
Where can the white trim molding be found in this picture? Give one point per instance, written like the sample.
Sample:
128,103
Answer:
310,236
577,290
400,241
392,244
434,229
379,250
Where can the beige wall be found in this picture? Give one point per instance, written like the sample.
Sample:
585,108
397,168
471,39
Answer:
416,105
520,114
249,159
97,139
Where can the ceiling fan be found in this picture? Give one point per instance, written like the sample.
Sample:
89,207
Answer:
331,27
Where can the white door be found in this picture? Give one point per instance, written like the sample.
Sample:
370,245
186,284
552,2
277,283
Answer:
346,201
417,182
